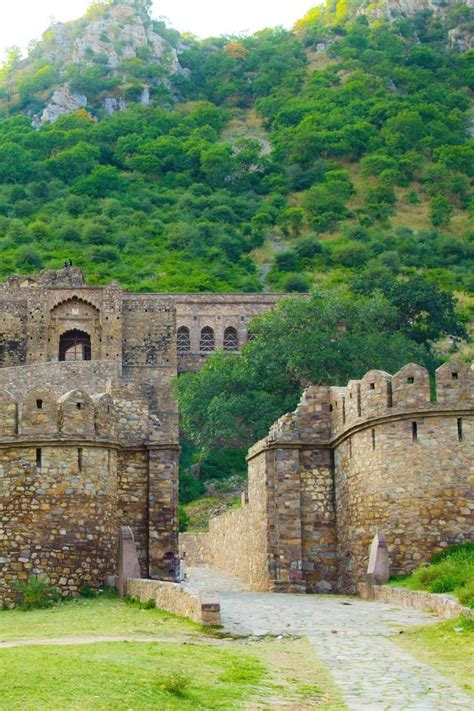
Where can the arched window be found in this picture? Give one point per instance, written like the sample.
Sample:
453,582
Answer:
75,345
208,343
231,340
183,340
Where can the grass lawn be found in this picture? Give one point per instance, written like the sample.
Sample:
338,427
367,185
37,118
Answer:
105,615
186,667
449,652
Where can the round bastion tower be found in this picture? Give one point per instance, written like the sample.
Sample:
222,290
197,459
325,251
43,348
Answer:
58,489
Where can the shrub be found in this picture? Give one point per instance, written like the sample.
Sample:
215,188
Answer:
351,254
308,247
183,520
86,591
440,211
175,683
287,261
296,283
29,258
37,593
452,571
466,594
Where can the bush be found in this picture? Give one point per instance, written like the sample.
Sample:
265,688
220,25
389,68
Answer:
466,594
308,247
451,571
29,258
296,283
175,683
37,593
287,261
351,254
183,519
86,591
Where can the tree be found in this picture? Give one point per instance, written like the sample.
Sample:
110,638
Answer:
327,338
440,211
74,162
292,221
15,163
425,312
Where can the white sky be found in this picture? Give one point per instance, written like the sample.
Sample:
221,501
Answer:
24,20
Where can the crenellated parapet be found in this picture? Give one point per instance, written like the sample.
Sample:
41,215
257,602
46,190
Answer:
103,407
389,453
327,413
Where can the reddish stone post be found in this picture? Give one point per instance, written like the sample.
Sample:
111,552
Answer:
128,566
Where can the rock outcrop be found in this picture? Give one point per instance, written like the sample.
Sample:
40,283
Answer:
108,37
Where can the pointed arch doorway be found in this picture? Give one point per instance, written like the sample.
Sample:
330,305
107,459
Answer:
75,345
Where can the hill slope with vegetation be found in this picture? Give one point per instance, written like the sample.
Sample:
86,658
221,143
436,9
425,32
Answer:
358,163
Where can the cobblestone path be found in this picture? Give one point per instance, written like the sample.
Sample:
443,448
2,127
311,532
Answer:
350,636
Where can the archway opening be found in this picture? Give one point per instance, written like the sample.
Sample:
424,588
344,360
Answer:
75,345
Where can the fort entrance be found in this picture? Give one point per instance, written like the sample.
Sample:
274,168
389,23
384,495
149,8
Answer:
75,345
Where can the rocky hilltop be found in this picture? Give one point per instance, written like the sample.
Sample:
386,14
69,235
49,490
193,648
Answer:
456,14
115,54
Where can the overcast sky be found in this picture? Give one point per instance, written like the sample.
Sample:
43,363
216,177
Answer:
24,20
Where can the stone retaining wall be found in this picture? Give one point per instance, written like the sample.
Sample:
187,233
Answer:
194,548
203,609
442,605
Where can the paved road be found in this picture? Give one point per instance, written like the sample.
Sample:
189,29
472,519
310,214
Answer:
350,636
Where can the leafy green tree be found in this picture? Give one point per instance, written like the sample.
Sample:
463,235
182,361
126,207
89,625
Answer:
15,163
440,211
326,339
74,162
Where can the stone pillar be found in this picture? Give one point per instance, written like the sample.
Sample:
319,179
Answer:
284,518
163,513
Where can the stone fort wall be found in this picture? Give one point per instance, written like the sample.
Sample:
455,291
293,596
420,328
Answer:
89,432
377,455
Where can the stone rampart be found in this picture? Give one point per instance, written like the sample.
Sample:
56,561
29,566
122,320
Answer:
57,516
377,455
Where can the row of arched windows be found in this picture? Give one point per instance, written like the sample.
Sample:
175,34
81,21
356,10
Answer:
207,341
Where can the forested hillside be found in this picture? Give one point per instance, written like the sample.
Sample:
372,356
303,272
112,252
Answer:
335,153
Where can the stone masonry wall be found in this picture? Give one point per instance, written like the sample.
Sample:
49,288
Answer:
57,517
378,455
194,548
237,541
418,493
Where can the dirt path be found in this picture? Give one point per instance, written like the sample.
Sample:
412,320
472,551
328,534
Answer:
97,639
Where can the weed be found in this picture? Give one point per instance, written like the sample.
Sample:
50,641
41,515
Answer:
86,591
37,593
174,683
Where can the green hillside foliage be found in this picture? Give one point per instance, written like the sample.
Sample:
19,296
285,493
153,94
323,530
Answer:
370,172
148,197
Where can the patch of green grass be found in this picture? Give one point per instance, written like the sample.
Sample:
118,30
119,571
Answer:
126,676
186,667
105,615
448,647
451,571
